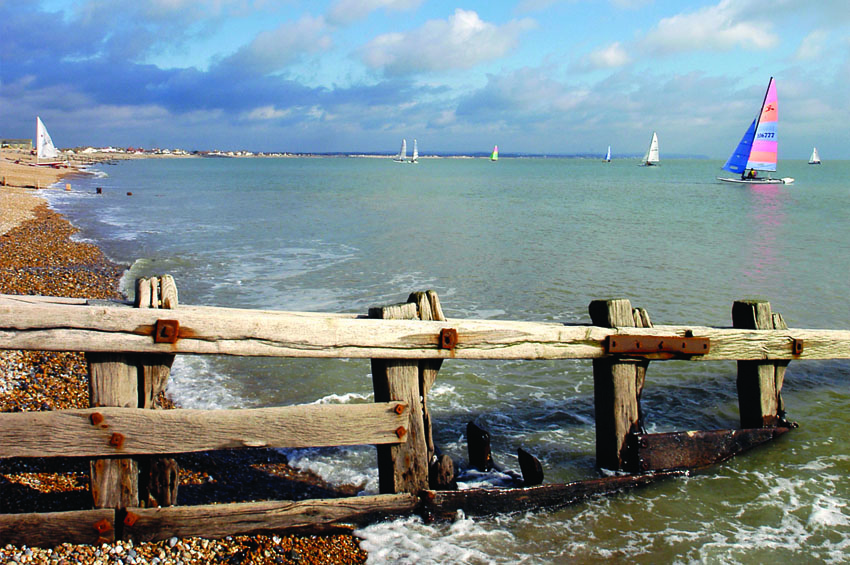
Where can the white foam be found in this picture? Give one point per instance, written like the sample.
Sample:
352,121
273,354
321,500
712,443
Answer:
194,384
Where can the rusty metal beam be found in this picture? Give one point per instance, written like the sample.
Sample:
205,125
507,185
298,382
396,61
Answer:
645,344
692,450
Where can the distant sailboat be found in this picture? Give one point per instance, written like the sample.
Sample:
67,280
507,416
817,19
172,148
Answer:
402,153
757,150
494,156
608,155
651,157
415,158
44,145
815,158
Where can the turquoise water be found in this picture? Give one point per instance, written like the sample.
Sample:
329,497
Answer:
521,239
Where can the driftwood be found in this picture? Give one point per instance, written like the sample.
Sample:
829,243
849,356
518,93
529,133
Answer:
40,325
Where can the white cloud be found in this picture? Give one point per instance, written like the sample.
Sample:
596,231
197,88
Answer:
273,50
460,42
719,27
344,12
614,55
812,45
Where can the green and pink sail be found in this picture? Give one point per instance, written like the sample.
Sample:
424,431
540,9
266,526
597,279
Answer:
757,149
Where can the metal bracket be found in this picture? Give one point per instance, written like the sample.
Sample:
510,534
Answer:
448,338
166,331
644,345
797,347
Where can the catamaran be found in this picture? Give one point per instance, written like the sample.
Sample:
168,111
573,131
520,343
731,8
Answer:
608,155
44,145
494,156
651,158
402,153
758,148
415,158
815,158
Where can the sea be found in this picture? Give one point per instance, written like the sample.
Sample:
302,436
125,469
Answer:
534,239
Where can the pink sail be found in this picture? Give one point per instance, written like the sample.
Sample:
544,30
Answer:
764,149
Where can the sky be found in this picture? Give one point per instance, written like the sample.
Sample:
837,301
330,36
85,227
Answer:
533,76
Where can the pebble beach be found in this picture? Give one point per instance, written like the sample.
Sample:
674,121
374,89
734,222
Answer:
38,255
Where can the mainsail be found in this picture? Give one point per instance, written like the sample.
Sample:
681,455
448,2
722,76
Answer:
758,148
608,155
402,153
815,158
44,145
651,156
495,155
415,157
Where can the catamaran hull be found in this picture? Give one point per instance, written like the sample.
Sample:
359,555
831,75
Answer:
786,180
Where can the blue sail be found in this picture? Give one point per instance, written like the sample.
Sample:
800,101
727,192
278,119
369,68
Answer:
737,163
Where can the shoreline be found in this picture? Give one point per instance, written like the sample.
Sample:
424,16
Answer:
38,256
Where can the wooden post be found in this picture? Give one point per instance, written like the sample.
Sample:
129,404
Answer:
759,382
113,381
617,385
158,477
402,467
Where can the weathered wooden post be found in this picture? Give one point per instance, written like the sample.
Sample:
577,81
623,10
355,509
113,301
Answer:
617,385
759,382
402,467
158,477
130,381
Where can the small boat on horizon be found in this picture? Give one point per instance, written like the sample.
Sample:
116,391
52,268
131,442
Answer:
608,155
651,158
757,150
494,156
815,158
415,158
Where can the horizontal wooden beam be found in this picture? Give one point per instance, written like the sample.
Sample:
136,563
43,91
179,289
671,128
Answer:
38,325
49,529
221,520
104,432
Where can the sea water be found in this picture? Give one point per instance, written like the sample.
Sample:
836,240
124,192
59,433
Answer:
520,239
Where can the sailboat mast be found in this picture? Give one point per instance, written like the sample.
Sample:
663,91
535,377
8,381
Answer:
758,118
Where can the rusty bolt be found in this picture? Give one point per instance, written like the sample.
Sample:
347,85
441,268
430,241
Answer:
399,409
130,519
798,346
448,338
400,432
166,331
96,418
103,526
117,440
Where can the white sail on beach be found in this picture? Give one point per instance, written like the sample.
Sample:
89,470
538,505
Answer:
44,145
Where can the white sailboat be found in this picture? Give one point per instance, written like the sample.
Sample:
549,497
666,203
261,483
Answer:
44,145
815,158
651,157
402,153
415,158
608,155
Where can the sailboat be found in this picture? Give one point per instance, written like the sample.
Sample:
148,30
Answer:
815,158
402,153
415,158
608,155
651,157
757,149
44,145
494,156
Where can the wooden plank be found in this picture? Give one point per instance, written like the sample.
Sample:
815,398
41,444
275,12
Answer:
113,381
221,520
223,331
50,529
401,467
72,433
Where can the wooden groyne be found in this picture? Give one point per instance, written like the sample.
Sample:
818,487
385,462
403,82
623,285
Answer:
130,347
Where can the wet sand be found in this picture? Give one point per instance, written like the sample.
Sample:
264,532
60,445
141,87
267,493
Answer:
38,256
